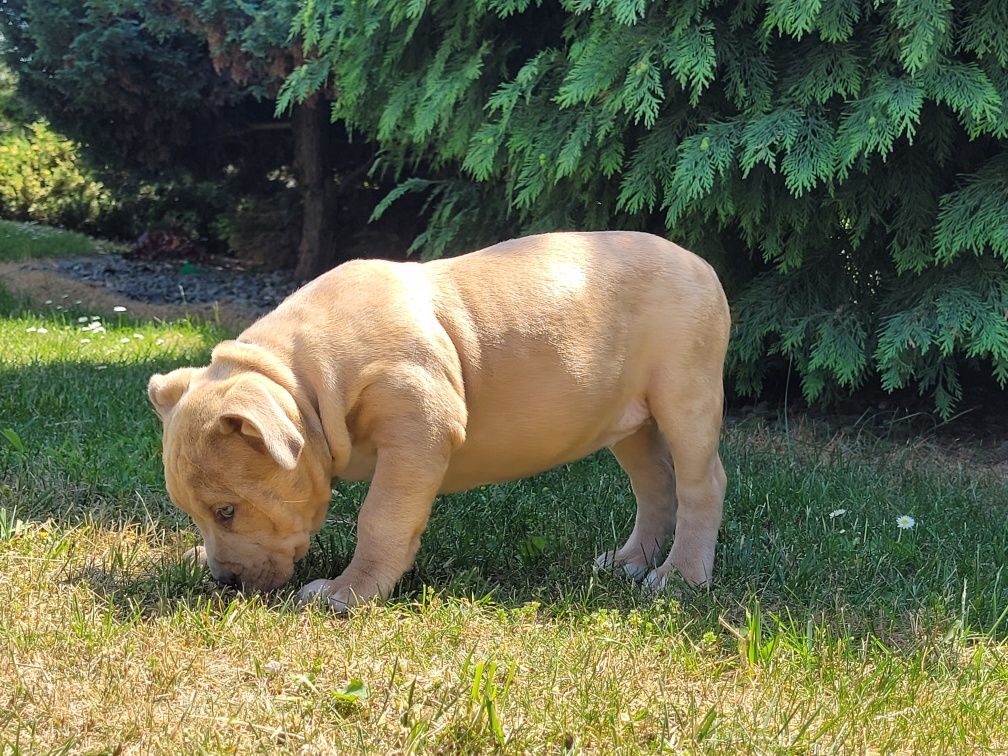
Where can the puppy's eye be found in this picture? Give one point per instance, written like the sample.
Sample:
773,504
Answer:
224,514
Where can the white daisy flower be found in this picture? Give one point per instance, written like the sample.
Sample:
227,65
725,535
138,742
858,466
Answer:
138,335
31,329
905,522
836,513
42,330
48,301
118,308
124,340
82,319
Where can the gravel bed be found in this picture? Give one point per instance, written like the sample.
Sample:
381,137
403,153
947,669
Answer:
176,282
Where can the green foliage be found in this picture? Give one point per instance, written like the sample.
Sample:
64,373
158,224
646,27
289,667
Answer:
14,114
131,81
173,95
841,161
44,179
138,91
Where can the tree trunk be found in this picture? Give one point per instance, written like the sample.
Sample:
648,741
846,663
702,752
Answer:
313,170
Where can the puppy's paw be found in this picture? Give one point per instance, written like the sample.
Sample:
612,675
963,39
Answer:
337,595
667,578
609,561
196,555
656,580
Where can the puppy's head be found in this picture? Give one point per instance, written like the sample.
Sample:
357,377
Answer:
237,460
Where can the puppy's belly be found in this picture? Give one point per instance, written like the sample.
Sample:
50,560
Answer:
518,450
515,445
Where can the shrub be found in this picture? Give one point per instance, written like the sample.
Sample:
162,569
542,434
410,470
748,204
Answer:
43,179
263,229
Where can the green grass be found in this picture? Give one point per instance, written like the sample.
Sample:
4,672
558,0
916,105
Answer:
829,628
20,241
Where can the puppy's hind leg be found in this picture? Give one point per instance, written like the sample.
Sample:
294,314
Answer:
689,416
645,458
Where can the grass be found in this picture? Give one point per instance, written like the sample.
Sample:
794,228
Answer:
20,241
829,628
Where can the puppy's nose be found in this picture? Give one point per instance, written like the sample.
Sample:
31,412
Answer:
228,579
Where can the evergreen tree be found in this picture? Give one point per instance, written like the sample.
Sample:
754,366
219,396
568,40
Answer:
99,74
184,87
842,162
248,43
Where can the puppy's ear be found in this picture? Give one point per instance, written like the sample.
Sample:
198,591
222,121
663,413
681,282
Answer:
164,391
252,410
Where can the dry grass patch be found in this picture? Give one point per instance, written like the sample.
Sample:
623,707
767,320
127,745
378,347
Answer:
109,643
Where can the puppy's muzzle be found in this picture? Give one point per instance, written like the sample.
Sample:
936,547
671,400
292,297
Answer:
198,556
227,579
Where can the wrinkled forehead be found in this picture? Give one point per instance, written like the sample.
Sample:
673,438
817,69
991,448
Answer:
191,484
190,448
215,470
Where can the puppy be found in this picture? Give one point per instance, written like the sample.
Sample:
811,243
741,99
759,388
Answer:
442,376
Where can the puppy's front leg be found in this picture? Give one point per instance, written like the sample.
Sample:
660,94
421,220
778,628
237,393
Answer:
391,520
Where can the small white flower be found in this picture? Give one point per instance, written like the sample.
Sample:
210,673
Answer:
836,513
65,296
82,319
124,340
48,301
31,329
100,367
96,317
905,522
42,330
118,308
76,301
138,335
85,341
159,342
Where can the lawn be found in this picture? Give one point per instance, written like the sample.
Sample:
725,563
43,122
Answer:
20,241
829,628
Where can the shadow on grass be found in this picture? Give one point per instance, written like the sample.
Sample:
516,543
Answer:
532,541
90,443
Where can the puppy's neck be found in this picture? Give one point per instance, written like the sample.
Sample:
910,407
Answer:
246,356
243,355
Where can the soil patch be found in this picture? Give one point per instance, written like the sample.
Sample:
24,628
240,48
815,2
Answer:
164,290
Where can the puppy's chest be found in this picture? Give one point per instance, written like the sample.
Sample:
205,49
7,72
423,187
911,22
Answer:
361,466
